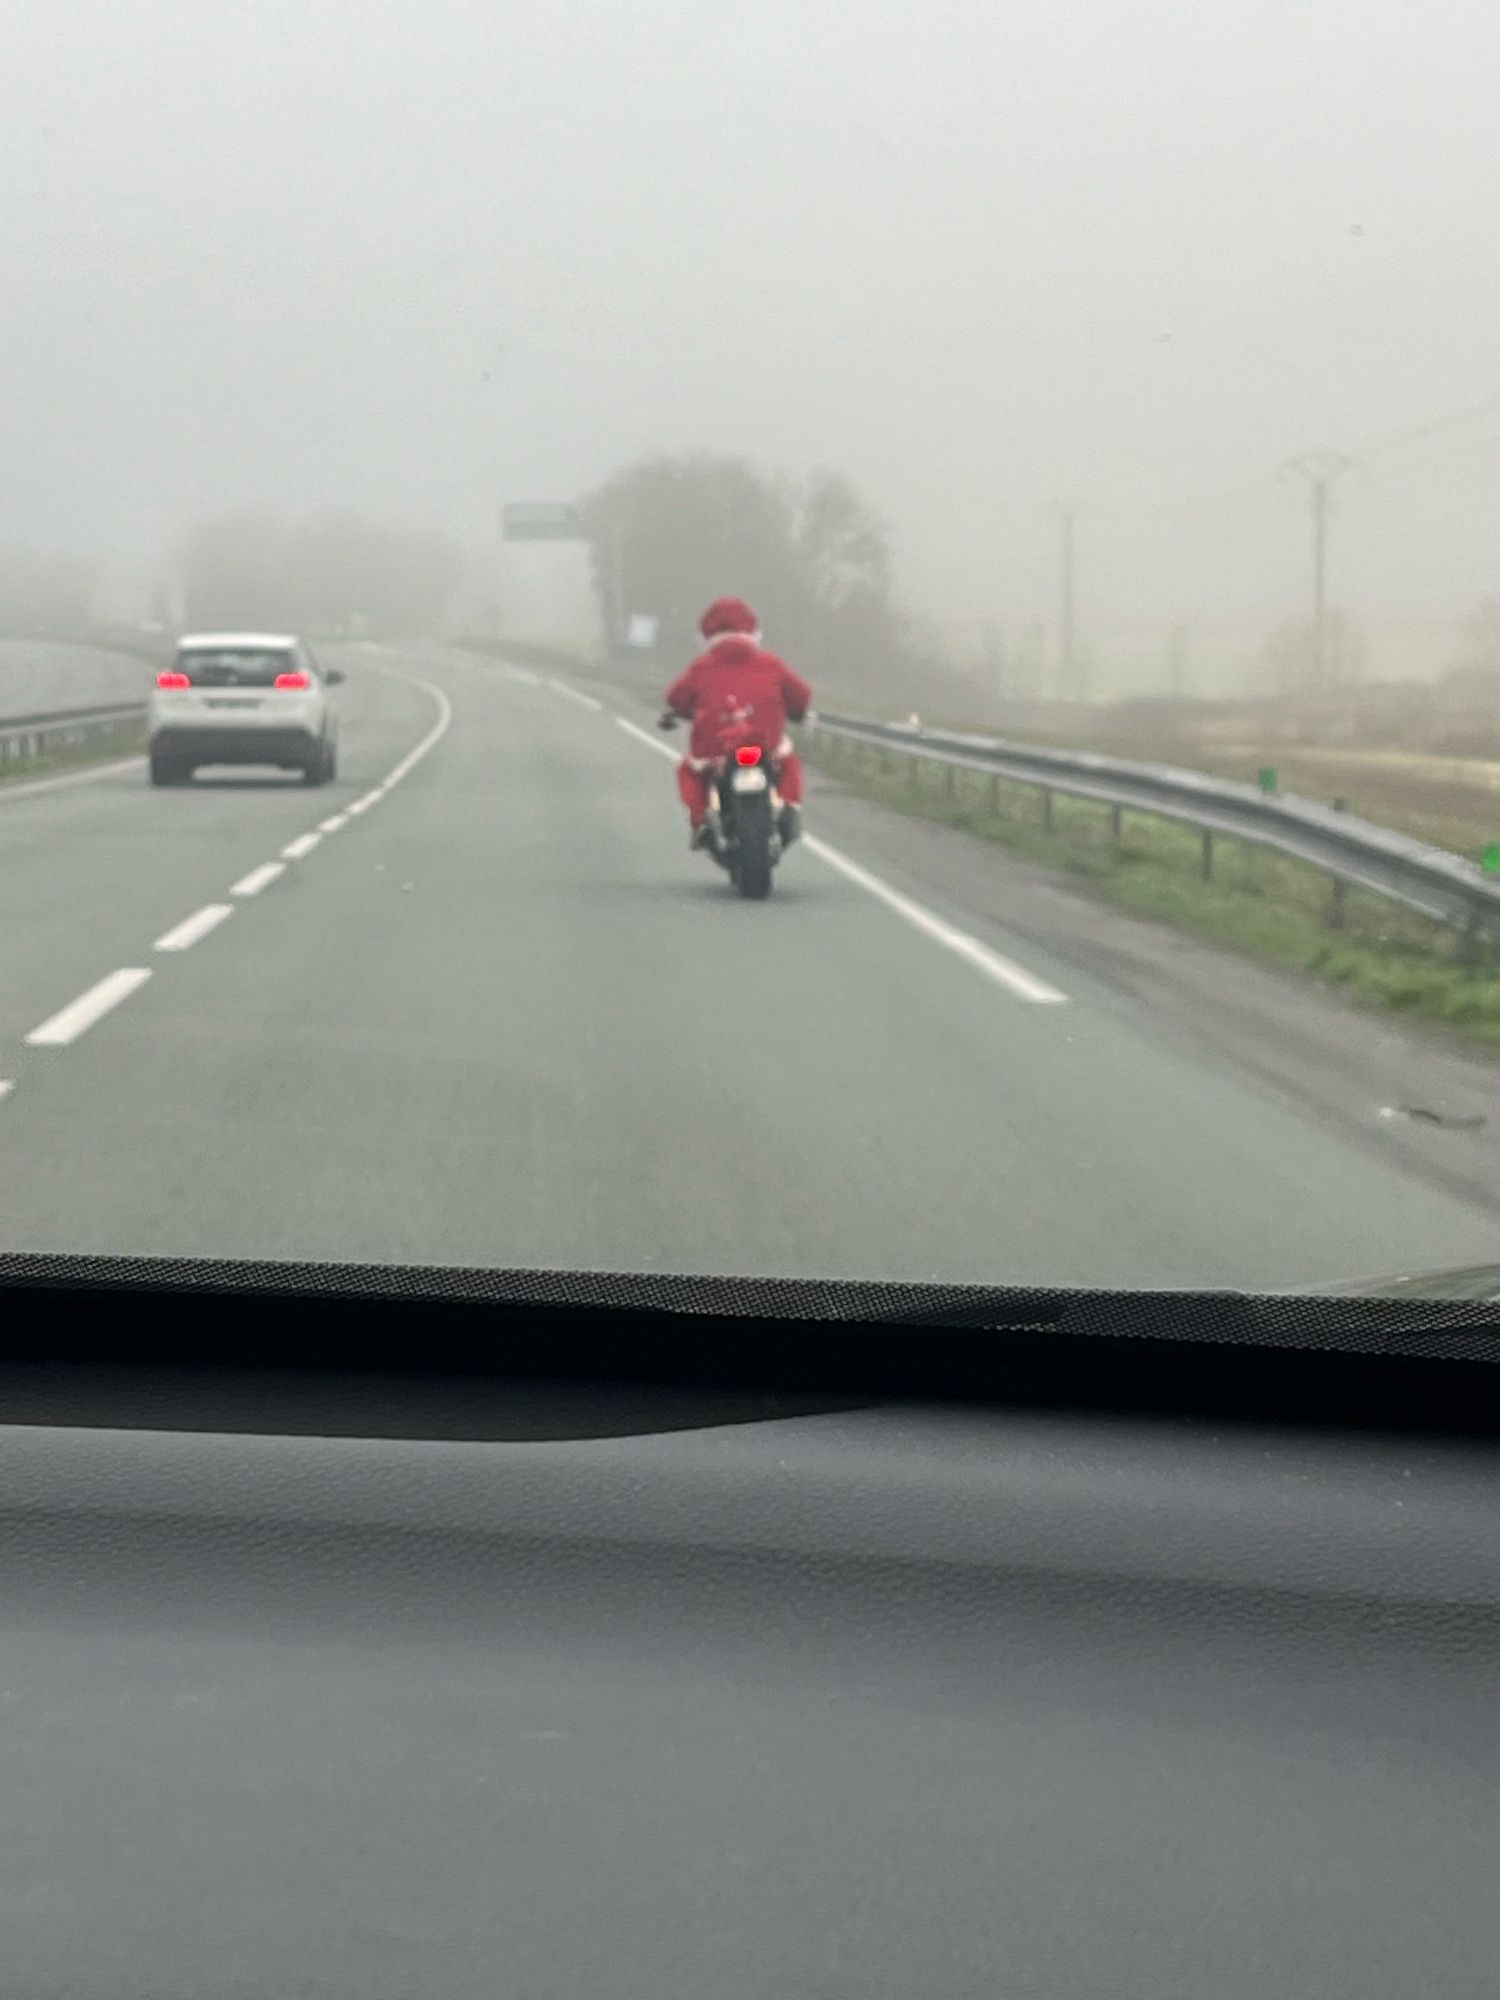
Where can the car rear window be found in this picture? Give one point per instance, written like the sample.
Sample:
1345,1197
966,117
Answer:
235,666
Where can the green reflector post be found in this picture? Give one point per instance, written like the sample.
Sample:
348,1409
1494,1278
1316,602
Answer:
1266,777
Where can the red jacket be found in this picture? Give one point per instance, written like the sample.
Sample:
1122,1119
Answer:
736,673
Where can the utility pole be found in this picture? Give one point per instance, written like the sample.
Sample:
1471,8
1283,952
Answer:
1320,471
1066,665
609,556
1177,646
994,658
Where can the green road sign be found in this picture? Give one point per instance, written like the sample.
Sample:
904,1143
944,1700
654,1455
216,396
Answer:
541,521
1265,777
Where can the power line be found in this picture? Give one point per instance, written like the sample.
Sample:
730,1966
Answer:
1257,488
1435,426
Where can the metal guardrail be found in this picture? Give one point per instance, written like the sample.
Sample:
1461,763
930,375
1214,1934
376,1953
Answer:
23,737
1353,852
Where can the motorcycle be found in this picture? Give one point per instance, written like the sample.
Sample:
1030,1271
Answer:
743,823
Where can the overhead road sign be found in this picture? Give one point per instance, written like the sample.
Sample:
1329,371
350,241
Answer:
541,521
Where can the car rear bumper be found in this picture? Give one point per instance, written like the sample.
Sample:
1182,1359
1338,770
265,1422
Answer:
236,746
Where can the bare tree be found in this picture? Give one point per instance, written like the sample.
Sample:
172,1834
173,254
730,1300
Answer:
670,534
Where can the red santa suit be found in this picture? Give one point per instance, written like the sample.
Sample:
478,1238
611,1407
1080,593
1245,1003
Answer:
735,673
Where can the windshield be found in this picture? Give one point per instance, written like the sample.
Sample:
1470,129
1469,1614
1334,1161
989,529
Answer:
1065,440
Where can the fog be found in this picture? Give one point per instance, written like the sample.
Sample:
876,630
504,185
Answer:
422,255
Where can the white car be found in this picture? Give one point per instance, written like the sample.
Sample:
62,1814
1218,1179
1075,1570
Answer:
243,698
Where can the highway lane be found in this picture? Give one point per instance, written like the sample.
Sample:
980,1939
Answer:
504,1017
94,868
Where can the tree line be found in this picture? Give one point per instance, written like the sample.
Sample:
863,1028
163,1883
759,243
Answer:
326,574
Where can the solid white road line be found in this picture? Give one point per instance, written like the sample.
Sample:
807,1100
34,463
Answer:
303,844
993,964
34,786
575,694
433,737
644,736
194,927
1004,971
258,878
333,825
71,1021
525,676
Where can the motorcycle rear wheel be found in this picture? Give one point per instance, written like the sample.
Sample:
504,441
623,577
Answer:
751,866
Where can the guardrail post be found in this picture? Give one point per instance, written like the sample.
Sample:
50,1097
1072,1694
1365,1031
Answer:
1208,855
994,795
1337,914
1047,807
1116,822
950,780
914,775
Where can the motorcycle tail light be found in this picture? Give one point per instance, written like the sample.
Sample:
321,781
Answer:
747,754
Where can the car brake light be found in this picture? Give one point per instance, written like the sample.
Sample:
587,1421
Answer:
298,680
747,754
173,680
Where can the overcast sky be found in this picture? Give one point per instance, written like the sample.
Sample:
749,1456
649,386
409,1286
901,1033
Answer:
416,254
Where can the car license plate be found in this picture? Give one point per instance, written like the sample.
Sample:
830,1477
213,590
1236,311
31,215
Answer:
211,702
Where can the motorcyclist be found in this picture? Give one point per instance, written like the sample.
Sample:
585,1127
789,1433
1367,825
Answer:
733,675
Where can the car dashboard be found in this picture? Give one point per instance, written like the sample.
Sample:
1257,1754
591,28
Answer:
458,1681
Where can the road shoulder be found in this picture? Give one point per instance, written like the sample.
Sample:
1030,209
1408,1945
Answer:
1340,1066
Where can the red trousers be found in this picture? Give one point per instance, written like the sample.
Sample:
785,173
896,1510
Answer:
692,785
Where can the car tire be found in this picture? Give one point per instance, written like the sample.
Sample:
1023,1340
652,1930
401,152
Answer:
169,771
319,767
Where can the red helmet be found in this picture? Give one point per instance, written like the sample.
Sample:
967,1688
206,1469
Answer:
728,614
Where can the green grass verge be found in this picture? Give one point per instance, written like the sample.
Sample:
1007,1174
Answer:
1257,902
103,750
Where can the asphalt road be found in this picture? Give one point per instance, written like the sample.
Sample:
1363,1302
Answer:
499,1015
